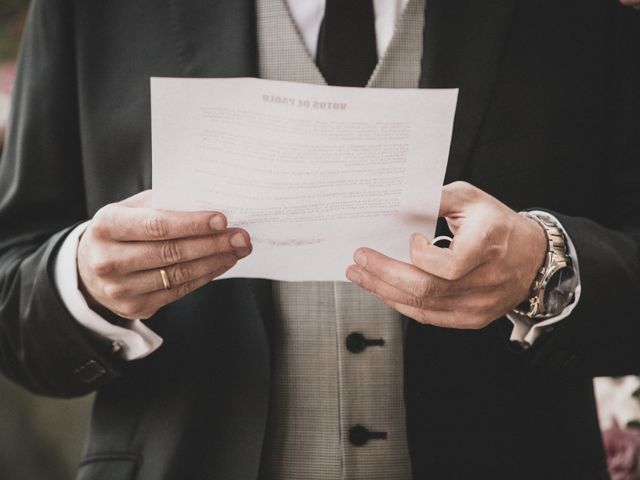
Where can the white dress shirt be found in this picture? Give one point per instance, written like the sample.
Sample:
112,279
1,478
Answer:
308,14
137,340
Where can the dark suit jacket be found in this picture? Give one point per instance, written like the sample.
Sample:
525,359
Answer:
547,117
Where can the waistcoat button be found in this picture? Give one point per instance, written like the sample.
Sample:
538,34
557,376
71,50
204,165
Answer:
360,435
356,342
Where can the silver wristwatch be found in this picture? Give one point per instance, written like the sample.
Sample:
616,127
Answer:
547,298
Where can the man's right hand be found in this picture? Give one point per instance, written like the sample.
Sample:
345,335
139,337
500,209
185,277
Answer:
127,243
631,3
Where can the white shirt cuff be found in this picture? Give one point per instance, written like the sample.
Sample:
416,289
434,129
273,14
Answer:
136,340
525,331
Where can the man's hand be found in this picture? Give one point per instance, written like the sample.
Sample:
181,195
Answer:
487,271
127,243
631,3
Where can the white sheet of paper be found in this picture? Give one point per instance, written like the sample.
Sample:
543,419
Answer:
311,172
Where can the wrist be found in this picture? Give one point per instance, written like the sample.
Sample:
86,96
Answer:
92,303
545,297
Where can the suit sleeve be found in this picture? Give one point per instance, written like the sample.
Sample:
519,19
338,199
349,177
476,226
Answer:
602,335
42,347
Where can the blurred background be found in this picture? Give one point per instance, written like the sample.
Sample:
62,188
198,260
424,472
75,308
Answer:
40,439
43,438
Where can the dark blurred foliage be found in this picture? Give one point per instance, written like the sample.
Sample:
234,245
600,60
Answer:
12,16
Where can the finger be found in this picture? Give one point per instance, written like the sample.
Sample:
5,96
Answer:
165,297
151,280
403,276
455,197
389,293
467,252
478,300
449,319
149,255
123,223
460,206
458,202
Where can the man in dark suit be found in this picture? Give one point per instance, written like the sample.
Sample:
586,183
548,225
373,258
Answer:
546,119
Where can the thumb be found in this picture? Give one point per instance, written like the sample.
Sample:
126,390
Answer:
456,197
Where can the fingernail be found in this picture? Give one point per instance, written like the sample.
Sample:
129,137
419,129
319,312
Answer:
360,258
217,223
238,241
354,275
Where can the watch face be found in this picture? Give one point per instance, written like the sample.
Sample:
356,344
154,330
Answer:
558,294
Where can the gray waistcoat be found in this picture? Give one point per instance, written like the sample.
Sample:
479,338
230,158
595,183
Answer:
320,389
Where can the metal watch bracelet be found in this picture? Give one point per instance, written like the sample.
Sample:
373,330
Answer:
556,259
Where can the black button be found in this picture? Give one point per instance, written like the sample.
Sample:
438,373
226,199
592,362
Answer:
356,342
360,435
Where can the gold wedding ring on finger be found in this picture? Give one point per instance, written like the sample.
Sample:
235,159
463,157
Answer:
165,279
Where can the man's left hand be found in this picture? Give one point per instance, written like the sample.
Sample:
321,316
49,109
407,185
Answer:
487,270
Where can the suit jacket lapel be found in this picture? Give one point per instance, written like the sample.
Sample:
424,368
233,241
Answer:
228,28
215,38
464,42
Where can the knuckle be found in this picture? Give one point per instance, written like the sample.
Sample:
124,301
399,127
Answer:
463,187
130,310
146,315
417,302
181,273
453,271
99,228
183,289
369,283
101,223
219,244
481,304
494,252
499,278
228,260
155,227
418,297
499,225
102,265
195,228
171,252
421,290
114,291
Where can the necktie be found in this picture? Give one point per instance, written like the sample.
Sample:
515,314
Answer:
347,52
